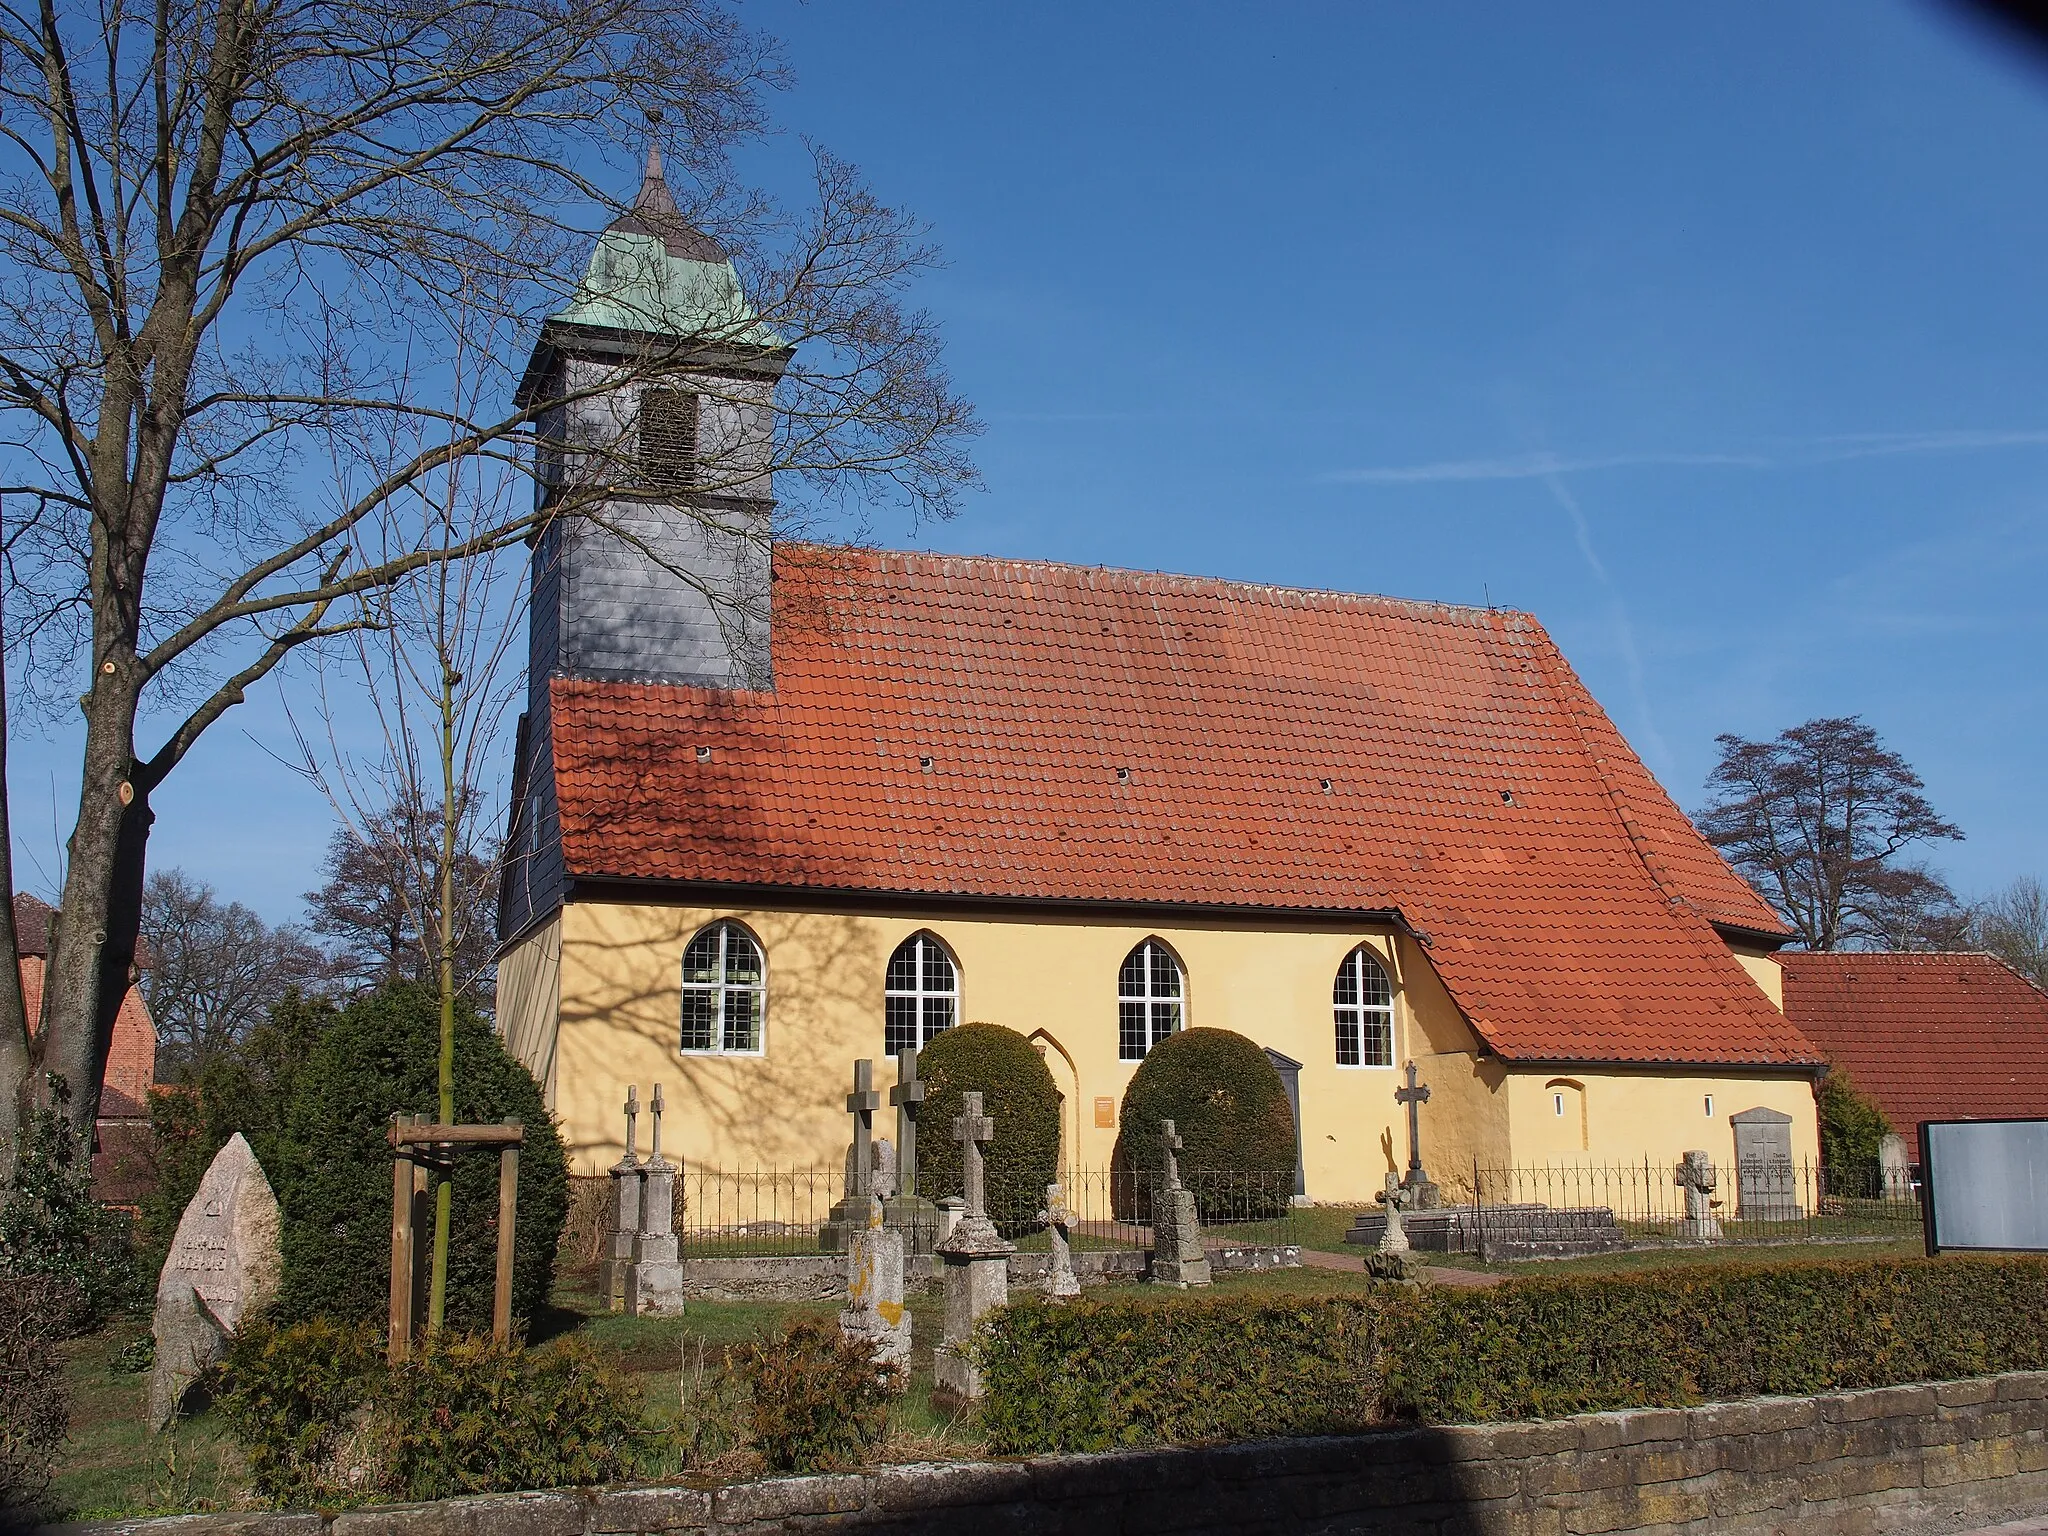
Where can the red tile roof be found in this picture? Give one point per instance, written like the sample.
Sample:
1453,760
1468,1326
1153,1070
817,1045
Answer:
986,728
1930,1037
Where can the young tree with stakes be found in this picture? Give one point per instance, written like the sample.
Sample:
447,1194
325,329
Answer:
231,231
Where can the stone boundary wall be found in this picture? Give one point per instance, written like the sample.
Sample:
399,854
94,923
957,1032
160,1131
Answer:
1901,1461
822,1276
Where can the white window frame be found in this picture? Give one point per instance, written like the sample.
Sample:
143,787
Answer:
725,928
1357,1014
920,994
1156,1004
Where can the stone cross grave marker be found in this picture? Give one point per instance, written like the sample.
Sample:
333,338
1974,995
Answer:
907,1096
223,1265
1422,1190
858,1209
654,1279
977,1260
1178,1257
1395,1238
1061,1282
625,1222
1394,1258
1695,1175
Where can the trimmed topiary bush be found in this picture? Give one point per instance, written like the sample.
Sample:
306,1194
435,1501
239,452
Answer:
1017,1092
334,1179
1229,1107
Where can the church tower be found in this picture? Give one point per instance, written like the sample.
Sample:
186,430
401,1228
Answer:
660,460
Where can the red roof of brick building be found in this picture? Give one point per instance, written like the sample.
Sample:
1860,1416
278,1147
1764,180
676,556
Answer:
979,728
131,1059
1929,1037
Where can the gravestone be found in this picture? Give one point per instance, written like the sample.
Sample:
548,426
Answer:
1766,1184
881,1169
1394,1259
625,1212
1895,1167
1178,1258
1695,1175
1061,1282
874,1293
906,1210
858,1208
1423,1194
654,1278
222,1268
976,1257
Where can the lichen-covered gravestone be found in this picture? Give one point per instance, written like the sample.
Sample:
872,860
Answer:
223,1267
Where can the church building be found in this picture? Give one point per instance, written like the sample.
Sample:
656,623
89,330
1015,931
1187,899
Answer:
780,805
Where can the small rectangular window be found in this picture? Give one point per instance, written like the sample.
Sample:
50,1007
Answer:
668,439
1557,1103
1710,1106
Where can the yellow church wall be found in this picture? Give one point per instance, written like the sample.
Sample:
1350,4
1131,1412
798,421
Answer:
1053,978
1764,970
1623,1118
609,972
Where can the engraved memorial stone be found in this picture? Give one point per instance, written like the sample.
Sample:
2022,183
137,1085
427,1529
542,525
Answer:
222,1268
977,1260
1695,1175
1178,1257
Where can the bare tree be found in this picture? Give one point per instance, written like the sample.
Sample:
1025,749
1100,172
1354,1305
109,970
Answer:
1817,818
378,903
228,236
2013,925
216,969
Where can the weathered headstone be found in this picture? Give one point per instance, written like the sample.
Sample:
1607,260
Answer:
907,1211
1178,1257
1423,1194
222,1268
1061,1282
874,1293
881,1169
654,1279
627,1177
976,1257
1895,1167
1695,1175
1766,1184
1394,1258
858,1209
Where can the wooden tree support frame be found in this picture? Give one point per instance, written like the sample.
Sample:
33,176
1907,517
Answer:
418,1146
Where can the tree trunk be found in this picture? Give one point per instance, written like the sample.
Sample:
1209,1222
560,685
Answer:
92,945
17,1060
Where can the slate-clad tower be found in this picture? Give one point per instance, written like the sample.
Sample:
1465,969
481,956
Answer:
661,459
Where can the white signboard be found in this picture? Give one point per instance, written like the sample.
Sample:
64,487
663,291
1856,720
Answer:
1986,1184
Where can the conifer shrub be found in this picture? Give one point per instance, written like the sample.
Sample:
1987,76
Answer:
820,1400
334,1174
290,1395
322,1419
1017,1092
471,1415
1098,1374
1852,1132
1228,1106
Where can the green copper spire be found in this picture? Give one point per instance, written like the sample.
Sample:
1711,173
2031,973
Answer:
654,274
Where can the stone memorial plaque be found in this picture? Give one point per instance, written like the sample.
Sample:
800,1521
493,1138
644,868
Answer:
223,1266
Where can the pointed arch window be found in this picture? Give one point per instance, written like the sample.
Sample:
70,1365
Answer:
1363,1000
1150,997
724,991
920,996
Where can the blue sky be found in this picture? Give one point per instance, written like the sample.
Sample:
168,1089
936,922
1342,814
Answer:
1716,338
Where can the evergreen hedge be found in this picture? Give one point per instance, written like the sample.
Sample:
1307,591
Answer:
1096,1375
1017,1092
1852,1133
1228,1106
334,1173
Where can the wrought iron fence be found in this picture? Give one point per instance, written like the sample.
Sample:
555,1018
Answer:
1762,1201
773,1212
